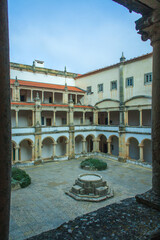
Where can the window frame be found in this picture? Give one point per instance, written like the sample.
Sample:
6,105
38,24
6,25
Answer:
89,91
112,82
145,78
128,79
100,87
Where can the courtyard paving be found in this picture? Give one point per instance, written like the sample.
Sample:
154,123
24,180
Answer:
44,205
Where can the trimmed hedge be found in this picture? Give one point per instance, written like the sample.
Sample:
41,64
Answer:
21,176
93,164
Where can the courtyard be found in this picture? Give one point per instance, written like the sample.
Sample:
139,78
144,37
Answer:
44,205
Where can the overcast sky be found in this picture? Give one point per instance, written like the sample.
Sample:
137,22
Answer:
84,35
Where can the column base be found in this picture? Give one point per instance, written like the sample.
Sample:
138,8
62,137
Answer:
150,199
38,161
121,159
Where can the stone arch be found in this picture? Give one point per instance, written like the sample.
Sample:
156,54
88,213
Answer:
79,144
147,150
47,147
102,143
133,148
89,143
114,145
62,146
25,152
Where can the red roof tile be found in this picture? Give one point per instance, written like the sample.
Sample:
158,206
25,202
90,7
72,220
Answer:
22,103
46,85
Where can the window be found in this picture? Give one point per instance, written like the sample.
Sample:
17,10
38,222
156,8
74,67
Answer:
89,90
42,121
64,121
48,121
22,97
113,85
100,87
129,82
147,78
50,99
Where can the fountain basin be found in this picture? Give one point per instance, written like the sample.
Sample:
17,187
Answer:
90,187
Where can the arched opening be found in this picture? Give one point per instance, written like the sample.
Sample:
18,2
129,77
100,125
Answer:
61,146
78,144
114,145
103,144
147,151
25,150
133,148
47,148
89,143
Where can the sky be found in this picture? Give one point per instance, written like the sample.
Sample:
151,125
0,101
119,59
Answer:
82,35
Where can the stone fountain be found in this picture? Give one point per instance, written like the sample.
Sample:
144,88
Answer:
90,187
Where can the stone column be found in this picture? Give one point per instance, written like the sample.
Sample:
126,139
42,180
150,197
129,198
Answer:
141,146
17,117
95,117
149,27
42,96
127,150
83,146
108,118
54,118
140,117
54,149
126,118
67,148
33,118
32,159
17,153
31,95
109,146
5,116
53,97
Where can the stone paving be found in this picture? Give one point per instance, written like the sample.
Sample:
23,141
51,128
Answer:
44,205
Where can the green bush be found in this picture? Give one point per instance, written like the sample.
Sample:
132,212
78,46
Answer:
93,164
21,176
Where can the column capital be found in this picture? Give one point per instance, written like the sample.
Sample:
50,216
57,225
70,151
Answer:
141,145
149,26
109,141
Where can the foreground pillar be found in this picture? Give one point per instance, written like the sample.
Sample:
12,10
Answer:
5,116
149,28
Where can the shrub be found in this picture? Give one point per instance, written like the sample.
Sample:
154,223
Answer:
21,176
93,164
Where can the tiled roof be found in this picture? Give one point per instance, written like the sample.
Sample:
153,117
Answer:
22,103
46,85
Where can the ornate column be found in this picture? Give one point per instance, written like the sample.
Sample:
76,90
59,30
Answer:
109,146
141,146
83,146
149,27
17,117
96,145
140,117
54,149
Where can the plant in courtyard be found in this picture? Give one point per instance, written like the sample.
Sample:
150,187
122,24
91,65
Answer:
93,164
19,175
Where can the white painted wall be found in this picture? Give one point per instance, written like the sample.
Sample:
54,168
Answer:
13,118
26,150
115,146
78,144
77,118
47,149
61,147
41,77
134,149
24,118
